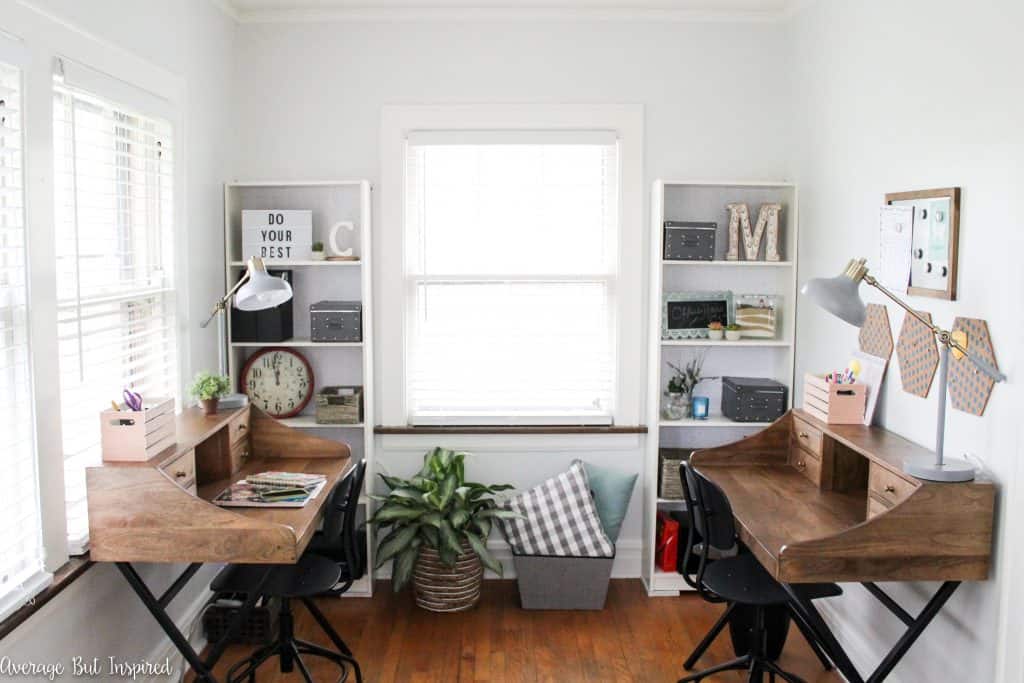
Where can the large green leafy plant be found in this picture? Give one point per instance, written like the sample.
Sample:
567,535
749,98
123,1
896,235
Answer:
438,509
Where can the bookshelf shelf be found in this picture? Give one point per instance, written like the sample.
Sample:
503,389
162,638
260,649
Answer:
333,363
705,201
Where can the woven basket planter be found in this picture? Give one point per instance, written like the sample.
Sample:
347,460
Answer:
440,588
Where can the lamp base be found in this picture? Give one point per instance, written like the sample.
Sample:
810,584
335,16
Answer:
951,469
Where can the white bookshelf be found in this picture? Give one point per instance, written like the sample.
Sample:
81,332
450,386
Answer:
771,358
332,362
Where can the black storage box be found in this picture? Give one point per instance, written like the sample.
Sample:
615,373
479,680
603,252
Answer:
753,399
271,325
259,628
689,241
336,321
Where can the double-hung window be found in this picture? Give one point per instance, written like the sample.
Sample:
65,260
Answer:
21,549
511,267
115,287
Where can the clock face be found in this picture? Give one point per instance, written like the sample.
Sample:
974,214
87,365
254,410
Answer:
278,381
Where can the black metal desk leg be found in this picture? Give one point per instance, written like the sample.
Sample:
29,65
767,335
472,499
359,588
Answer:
166,623
158,608
826,639
915,629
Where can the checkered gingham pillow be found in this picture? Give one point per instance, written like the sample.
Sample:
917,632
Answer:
558,518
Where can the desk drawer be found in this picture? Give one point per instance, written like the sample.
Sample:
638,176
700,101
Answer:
239,454
183,470
807,436
887,487
238,428
807,463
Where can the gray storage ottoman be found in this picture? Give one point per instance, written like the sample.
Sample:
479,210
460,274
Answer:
549,582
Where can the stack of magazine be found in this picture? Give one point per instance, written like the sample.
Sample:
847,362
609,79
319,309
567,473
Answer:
272,489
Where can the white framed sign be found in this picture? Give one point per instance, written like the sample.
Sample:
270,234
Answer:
277,234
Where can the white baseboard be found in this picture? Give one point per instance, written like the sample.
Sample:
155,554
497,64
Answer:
626,566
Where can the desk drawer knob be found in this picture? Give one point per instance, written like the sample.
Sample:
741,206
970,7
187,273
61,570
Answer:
801,464
242,427
804,435
180,474
889,488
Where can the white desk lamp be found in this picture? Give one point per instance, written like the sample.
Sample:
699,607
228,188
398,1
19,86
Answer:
257,290
840,296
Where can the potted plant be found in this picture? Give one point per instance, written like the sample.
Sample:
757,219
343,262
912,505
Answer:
208,388
681,385
715,330
732,332
439,524
318,251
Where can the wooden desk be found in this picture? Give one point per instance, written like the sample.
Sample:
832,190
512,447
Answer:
831,503
159,510
143,512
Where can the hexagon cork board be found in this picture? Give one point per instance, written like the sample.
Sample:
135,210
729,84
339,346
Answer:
969,387
875,334
918,354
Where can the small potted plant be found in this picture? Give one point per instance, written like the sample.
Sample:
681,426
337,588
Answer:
318,251
715,330
439,524
681,385
208,388
732,332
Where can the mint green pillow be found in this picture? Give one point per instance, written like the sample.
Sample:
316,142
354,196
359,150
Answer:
612,490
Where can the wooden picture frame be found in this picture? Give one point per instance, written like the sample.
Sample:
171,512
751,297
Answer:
941,267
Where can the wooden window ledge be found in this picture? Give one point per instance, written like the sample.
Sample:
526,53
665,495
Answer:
510,429
62,578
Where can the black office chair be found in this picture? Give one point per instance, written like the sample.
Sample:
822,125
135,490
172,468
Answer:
314,574
737,579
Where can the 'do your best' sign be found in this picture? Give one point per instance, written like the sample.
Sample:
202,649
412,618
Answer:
277,234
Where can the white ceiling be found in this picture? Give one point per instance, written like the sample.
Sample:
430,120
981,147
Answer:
292,10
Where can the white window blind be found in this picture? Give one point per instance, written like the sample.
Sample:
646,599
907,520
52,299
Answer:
510,266
21,550
115,290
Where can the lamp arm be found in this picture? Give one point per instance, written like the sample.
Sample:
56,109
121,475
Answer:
944,336
222,304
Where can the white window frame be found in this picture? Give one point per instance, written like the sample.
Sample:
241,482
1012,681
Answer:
397,122
44,38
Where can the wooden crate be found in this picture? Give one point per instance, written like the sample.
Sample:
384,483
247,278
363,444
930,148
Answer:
137,436
339,405
841,404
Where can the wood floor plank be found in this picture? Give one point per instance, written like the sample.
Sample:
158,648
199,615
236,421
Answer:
635,639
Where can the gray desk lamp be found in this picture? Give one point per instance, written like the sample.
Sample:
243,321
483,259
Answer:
840,296
257,290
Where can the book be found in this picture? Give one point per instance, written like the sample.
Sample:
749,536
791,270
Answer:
245,494
285,479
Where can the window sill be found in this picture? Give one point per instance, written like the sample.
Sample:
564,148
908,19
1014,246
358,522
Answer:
62,578
509,429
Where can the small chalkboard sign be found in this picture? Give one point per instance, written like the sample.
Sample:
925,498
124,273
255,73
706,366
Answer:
685,315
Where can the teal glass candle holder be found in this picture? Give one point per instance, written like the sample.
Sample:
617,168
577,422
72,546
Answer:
700,407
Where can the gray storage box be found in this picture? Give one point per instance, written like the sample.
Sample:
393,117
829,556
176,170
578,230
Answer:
753,399
336,321
548,582
689,241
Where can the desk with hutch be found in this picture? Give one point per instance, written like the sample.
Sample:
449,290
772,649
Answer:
830,503
159,510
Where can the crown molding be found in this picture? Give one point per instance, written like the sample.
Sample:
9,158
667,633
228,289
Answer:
502,14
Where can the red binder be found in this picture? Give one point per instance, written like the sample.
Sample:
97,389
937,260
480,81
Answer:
667,547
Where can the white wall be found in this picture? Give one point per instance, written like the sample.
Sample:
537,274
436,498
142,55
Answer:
309,100
192,39
910,95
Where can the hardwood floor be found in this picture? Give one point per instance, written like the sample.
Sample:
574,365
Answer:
635,638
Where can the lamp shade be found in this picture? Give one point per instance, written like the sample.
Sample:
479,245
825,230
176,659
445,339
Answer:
263,290
839,296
